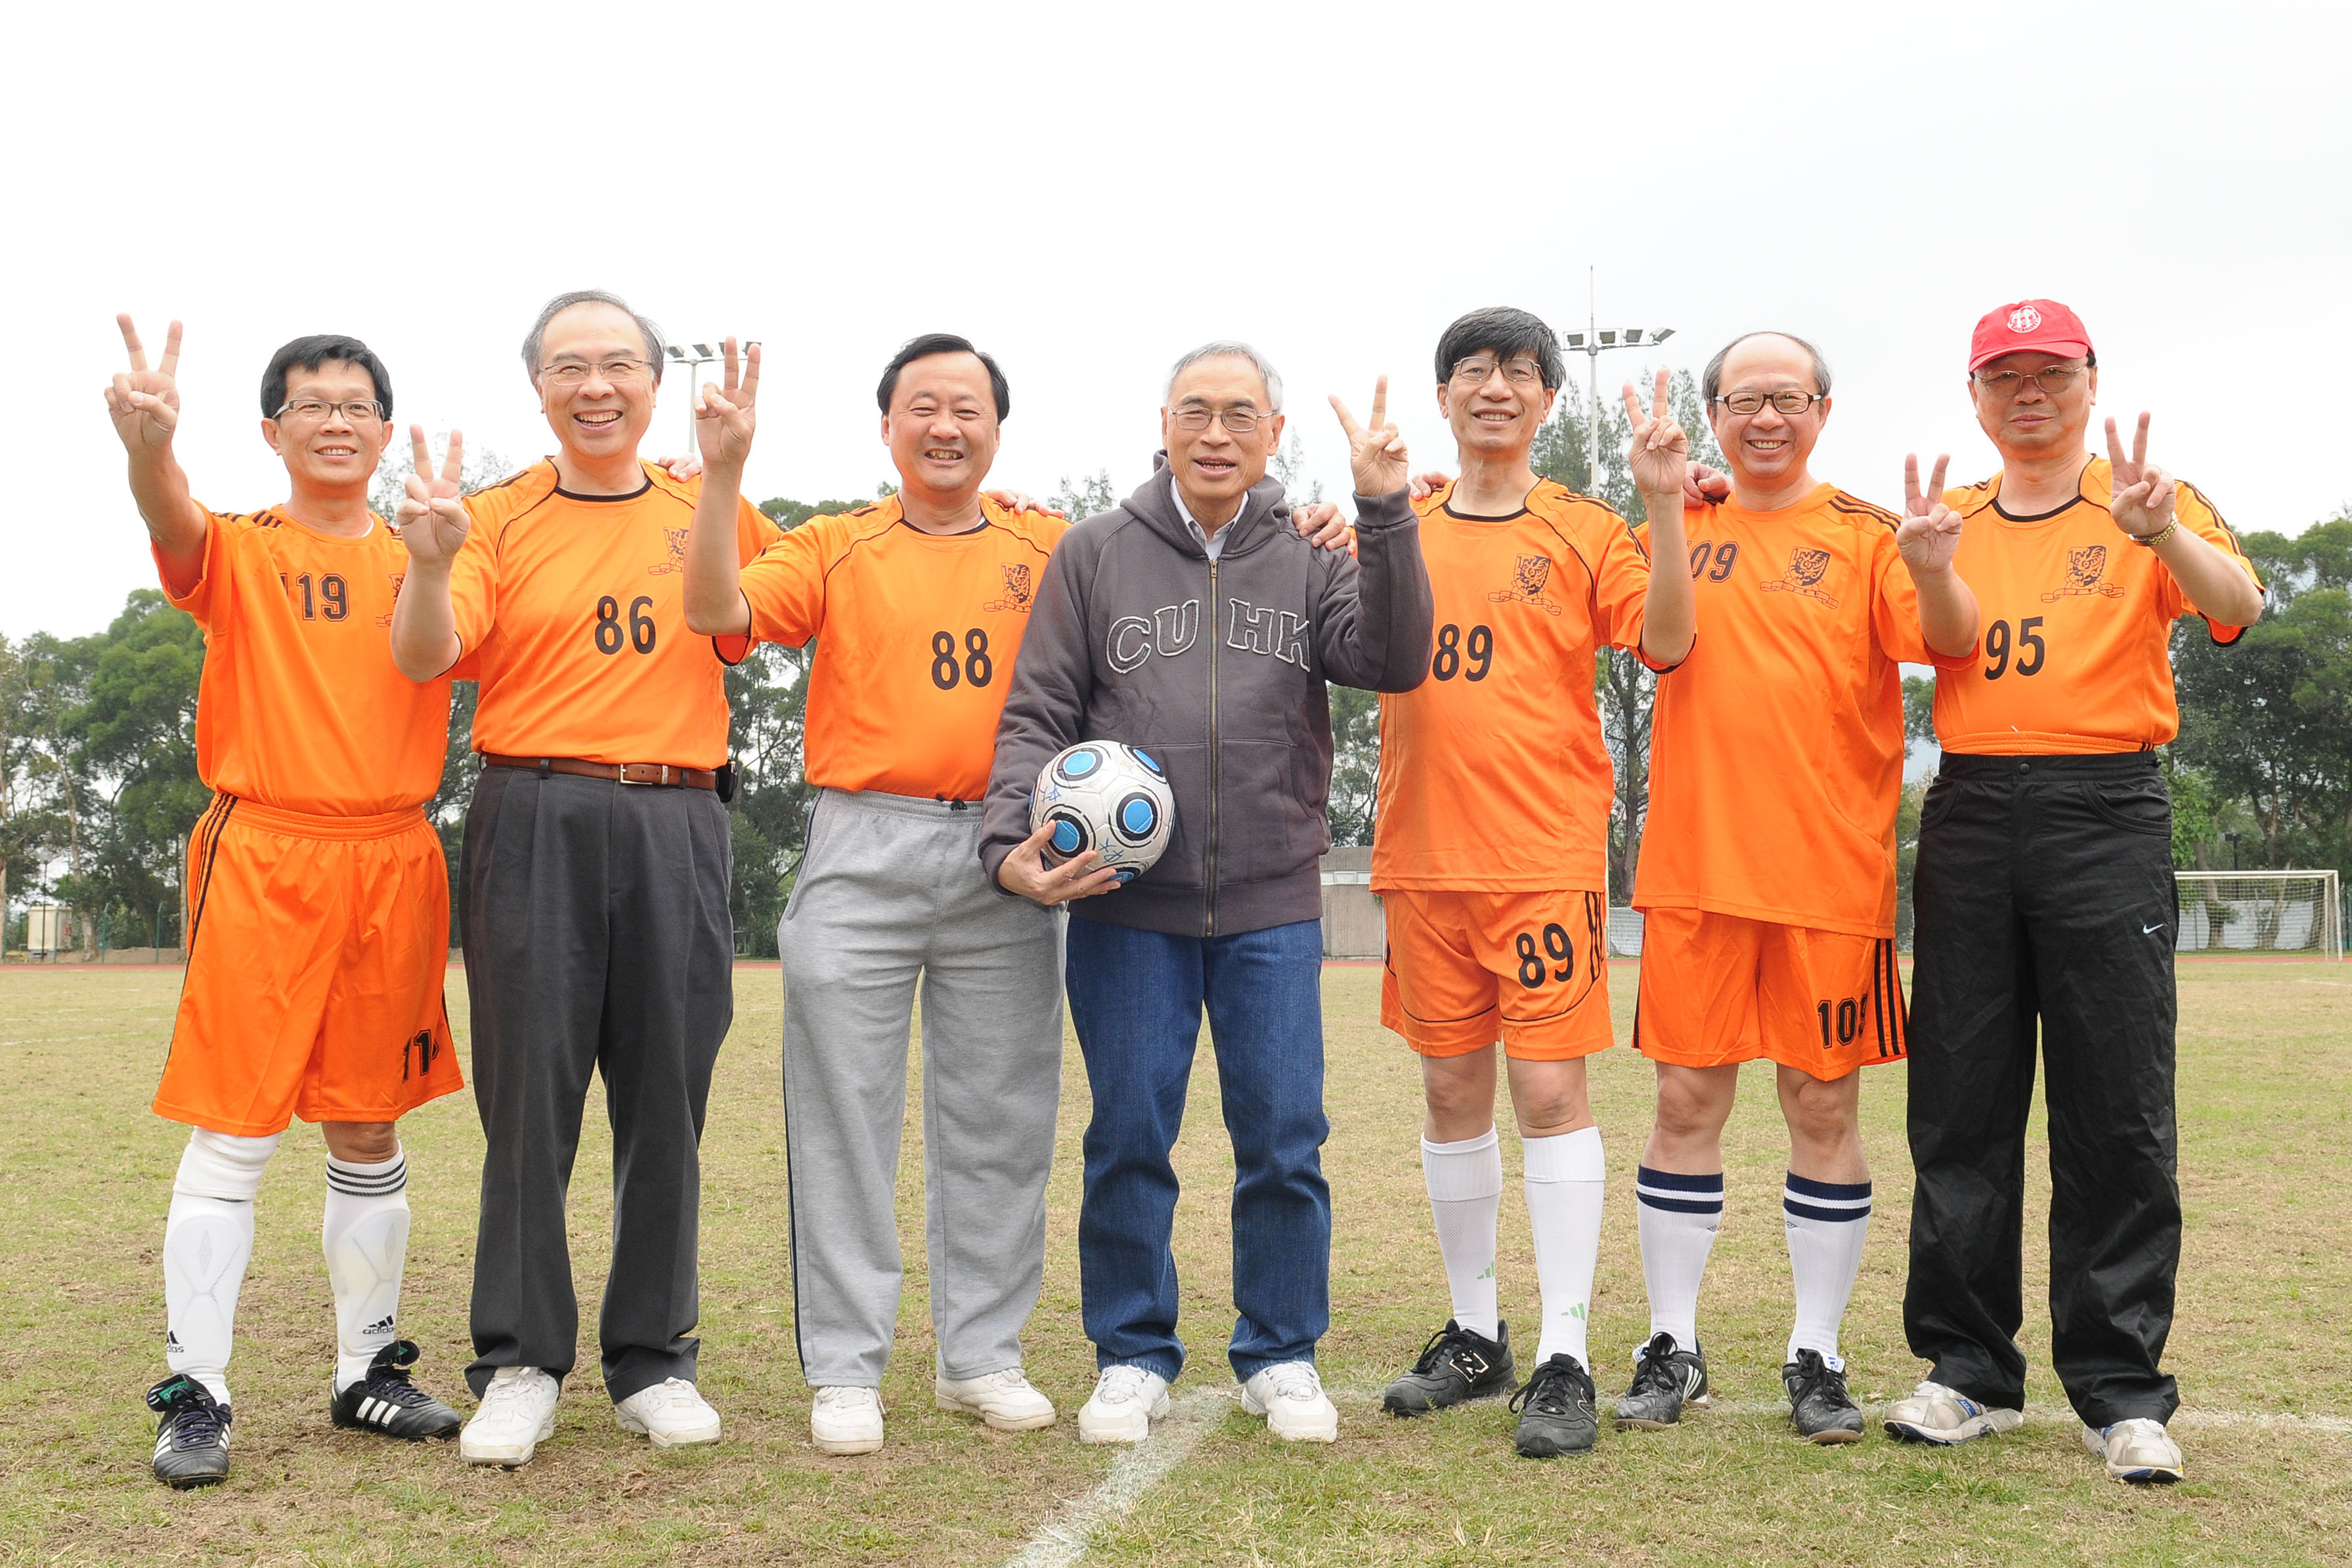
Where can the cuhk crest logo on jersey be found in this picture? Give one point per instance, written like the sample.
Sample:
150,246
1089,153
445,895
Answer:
1528,580
2025,319
2087,565
397,579
1019,588
1807,566
676,539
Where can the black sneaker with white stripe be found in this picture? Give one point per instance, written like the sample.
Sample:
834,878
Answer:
191,1435
1456,1364
386,1402
1665,1378
1556,1410
1819,1404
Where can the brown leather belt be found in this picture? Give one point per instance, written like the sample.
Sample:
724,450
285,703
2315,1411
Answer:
611,772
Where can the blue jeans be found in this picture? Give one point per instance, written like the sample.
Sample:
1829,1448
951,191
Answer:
1136,997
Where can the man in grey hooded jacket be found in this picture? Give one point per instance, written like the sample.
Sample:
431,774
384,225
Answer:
1190,622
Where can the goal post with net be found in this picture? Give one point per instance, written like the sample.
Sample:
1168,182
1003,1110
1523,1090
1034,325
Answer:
2260,911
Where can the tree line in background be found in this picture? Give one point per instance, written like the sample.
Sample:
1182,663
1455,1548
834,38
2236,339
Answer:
99,787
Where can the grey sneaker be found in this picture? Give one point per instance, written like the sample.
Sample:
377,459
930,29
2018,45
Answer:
1941,1415
1665,1378
1456,1364
1818,1402
2139,1451
191,1435
1556,1410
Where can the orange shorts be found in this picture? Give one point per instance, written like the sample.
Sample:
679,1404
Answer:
1464,969
317,947
1718,990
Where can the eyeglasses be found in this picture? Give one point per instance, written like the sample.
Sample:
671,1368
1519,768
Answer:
1788,400
1240,421
2053,379
619,371
1479,371
365,411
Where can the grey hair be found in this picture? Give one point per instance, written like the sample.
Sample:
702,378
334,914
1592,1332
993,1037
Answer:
1231,348
533,344
1711,382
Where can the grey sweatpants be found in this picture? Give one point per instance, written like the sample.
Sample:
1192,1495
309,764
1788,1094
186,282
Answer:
598,940
891,893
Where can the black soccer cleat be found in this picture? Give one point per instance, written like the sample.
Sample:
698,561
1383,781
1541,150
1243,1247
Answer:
1556,1413
1455,1365
192,1437
1819,1404
386,1402
1665,1378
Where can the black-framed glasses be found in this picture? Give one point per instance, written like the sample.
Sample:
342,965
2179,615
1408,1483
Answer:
2053,379
1240,421
1788,400
317,411
619,371
1479,369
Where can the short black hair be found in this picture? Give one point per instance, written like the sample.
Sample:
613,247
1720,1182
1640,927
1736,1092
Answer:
1506,333
931,343
309,353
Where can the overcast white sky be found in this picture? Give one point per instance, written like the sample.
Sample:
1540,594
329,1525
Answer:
1088,190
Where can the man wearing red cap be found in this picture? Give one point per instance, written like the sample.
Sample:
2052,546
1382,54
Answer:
2045,906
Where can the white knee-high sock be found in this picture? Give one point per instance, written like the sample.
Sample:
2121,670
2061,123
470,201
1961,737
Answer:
365,1238
1465,1191
1828,1222
207,1242
1566,1177
1679,1215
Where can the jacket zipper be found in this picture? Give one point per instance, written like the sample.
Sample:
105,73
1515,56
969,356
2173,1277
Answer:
1209,915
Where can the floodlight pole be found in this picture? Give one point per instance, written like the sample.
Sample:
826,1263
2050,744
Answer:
1588,343
692,363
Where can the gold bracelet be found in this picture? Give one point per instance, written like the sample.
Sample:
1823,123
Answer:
2160,536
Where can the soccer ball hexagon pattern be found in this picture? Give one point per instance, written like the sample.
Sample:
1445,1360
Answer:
1107,797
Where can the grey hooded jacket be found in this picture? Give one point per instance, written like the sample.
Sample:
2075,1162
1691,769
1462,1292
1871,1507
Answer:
1217,669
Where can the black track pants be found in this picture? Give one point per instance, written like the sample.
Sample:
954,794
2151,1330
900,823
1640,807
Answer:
597,939
2045,897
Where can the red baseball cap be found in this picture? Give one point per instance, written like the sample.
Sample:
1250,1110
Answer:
2043,324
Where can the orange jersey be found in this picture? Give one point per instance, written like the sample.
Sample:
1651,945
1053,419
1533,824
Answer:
1776,751
1494,775
576,607
300,706
916,634
2076,622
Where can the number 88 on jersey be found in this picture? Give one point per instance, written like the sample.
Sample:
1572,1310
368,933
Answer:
1107,797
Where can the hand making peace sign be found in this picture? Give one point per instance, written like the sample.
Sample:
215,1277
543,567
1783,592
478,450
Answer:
145,403
1930,530
1659,454
433,520
723,419
2142,504
1375,451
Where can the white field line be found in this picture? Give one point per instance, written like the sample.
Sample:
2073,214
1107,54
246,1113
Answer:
1061,1542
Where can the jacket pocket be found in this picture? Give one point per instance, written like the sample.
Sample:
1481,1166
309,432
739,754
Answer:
2136,808
1268,827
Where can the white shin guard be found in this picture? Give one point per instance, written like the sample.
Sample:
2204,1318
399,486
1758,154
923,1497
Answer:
207,1242
365,1238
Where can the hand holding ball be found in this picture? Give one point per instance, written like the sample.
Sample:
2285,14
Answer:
1107,797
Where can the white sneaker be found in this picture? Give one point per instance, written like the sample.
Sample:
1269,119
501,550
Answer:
1002,1399
1291,1398
672,1413
1126,1401
517,1414
846,1420
2139,1451
1943,1416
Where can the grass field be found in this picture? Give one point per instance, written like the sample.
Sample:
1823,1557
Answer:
2260,1346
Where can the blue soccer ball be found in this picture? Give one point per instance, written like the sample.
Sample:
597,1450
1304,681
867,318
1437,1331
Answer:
1107,797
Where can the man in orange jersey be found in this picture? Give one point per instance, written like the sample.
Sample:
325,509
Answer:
317,897
1495,788
917,604
1767,879
2046,905
594,872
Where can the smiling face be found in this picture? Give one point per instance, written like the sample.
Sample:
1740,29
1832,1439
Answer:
941,429
597,418
1768,449
336,454
2031,422
1498,418
1215,467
